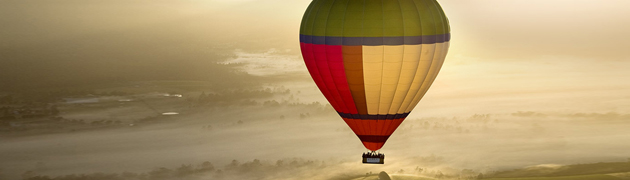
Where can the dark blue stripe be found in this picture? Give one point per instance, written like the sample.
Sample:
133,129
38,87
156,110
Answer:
375,41
373,117
373,138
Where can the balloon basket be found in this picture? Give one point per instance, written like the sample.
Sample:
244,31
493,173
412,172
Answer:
373,158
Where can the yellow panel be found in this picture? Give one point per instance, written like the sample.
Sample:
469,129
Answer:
411,56
421,71
396,77
381,67
391,74
372,74
440,54
373,50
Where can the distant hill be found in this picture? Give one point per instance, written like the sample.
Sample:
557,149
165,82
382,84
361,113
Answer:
595,171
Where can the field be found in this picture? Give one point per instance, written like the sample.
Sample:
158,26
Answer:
583,177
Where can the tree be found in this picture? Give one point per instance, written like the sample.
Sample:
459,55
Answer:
28,175
480,176
8,99
439,175
184,170
418,169
233,165
206,166
160,173
383,176
128,175
202,96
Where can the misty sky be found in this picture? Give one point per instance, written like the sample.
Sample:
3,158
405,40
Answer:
505,56
488,28
562,53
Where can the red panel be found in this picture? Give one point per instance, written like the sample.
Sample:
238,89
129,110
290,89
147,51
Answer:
321,59
353,125
373,146
338,72
380,124
309,60
393,126
385,127
373,127
325,63
368,127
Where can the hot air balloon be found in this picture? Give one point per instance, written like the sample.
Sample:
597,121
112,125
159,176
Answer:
373,60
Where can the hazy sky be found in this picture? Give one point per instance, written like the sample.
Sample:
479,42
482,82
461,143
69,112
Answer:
563,53
498,27
485,28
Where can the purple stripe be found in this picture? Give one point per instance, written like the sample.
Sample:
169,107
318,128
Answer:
375,41
374,139
373,117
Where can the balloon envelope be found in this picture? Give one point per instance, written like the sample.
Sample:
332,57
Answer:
374,59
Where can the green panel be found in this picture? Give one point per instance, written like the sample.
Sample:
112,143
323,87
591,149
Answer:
353,25
426,18
374,18
305,17
444,18
437,17
411,18
311,12
321,19
432,17
393,19
334,26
